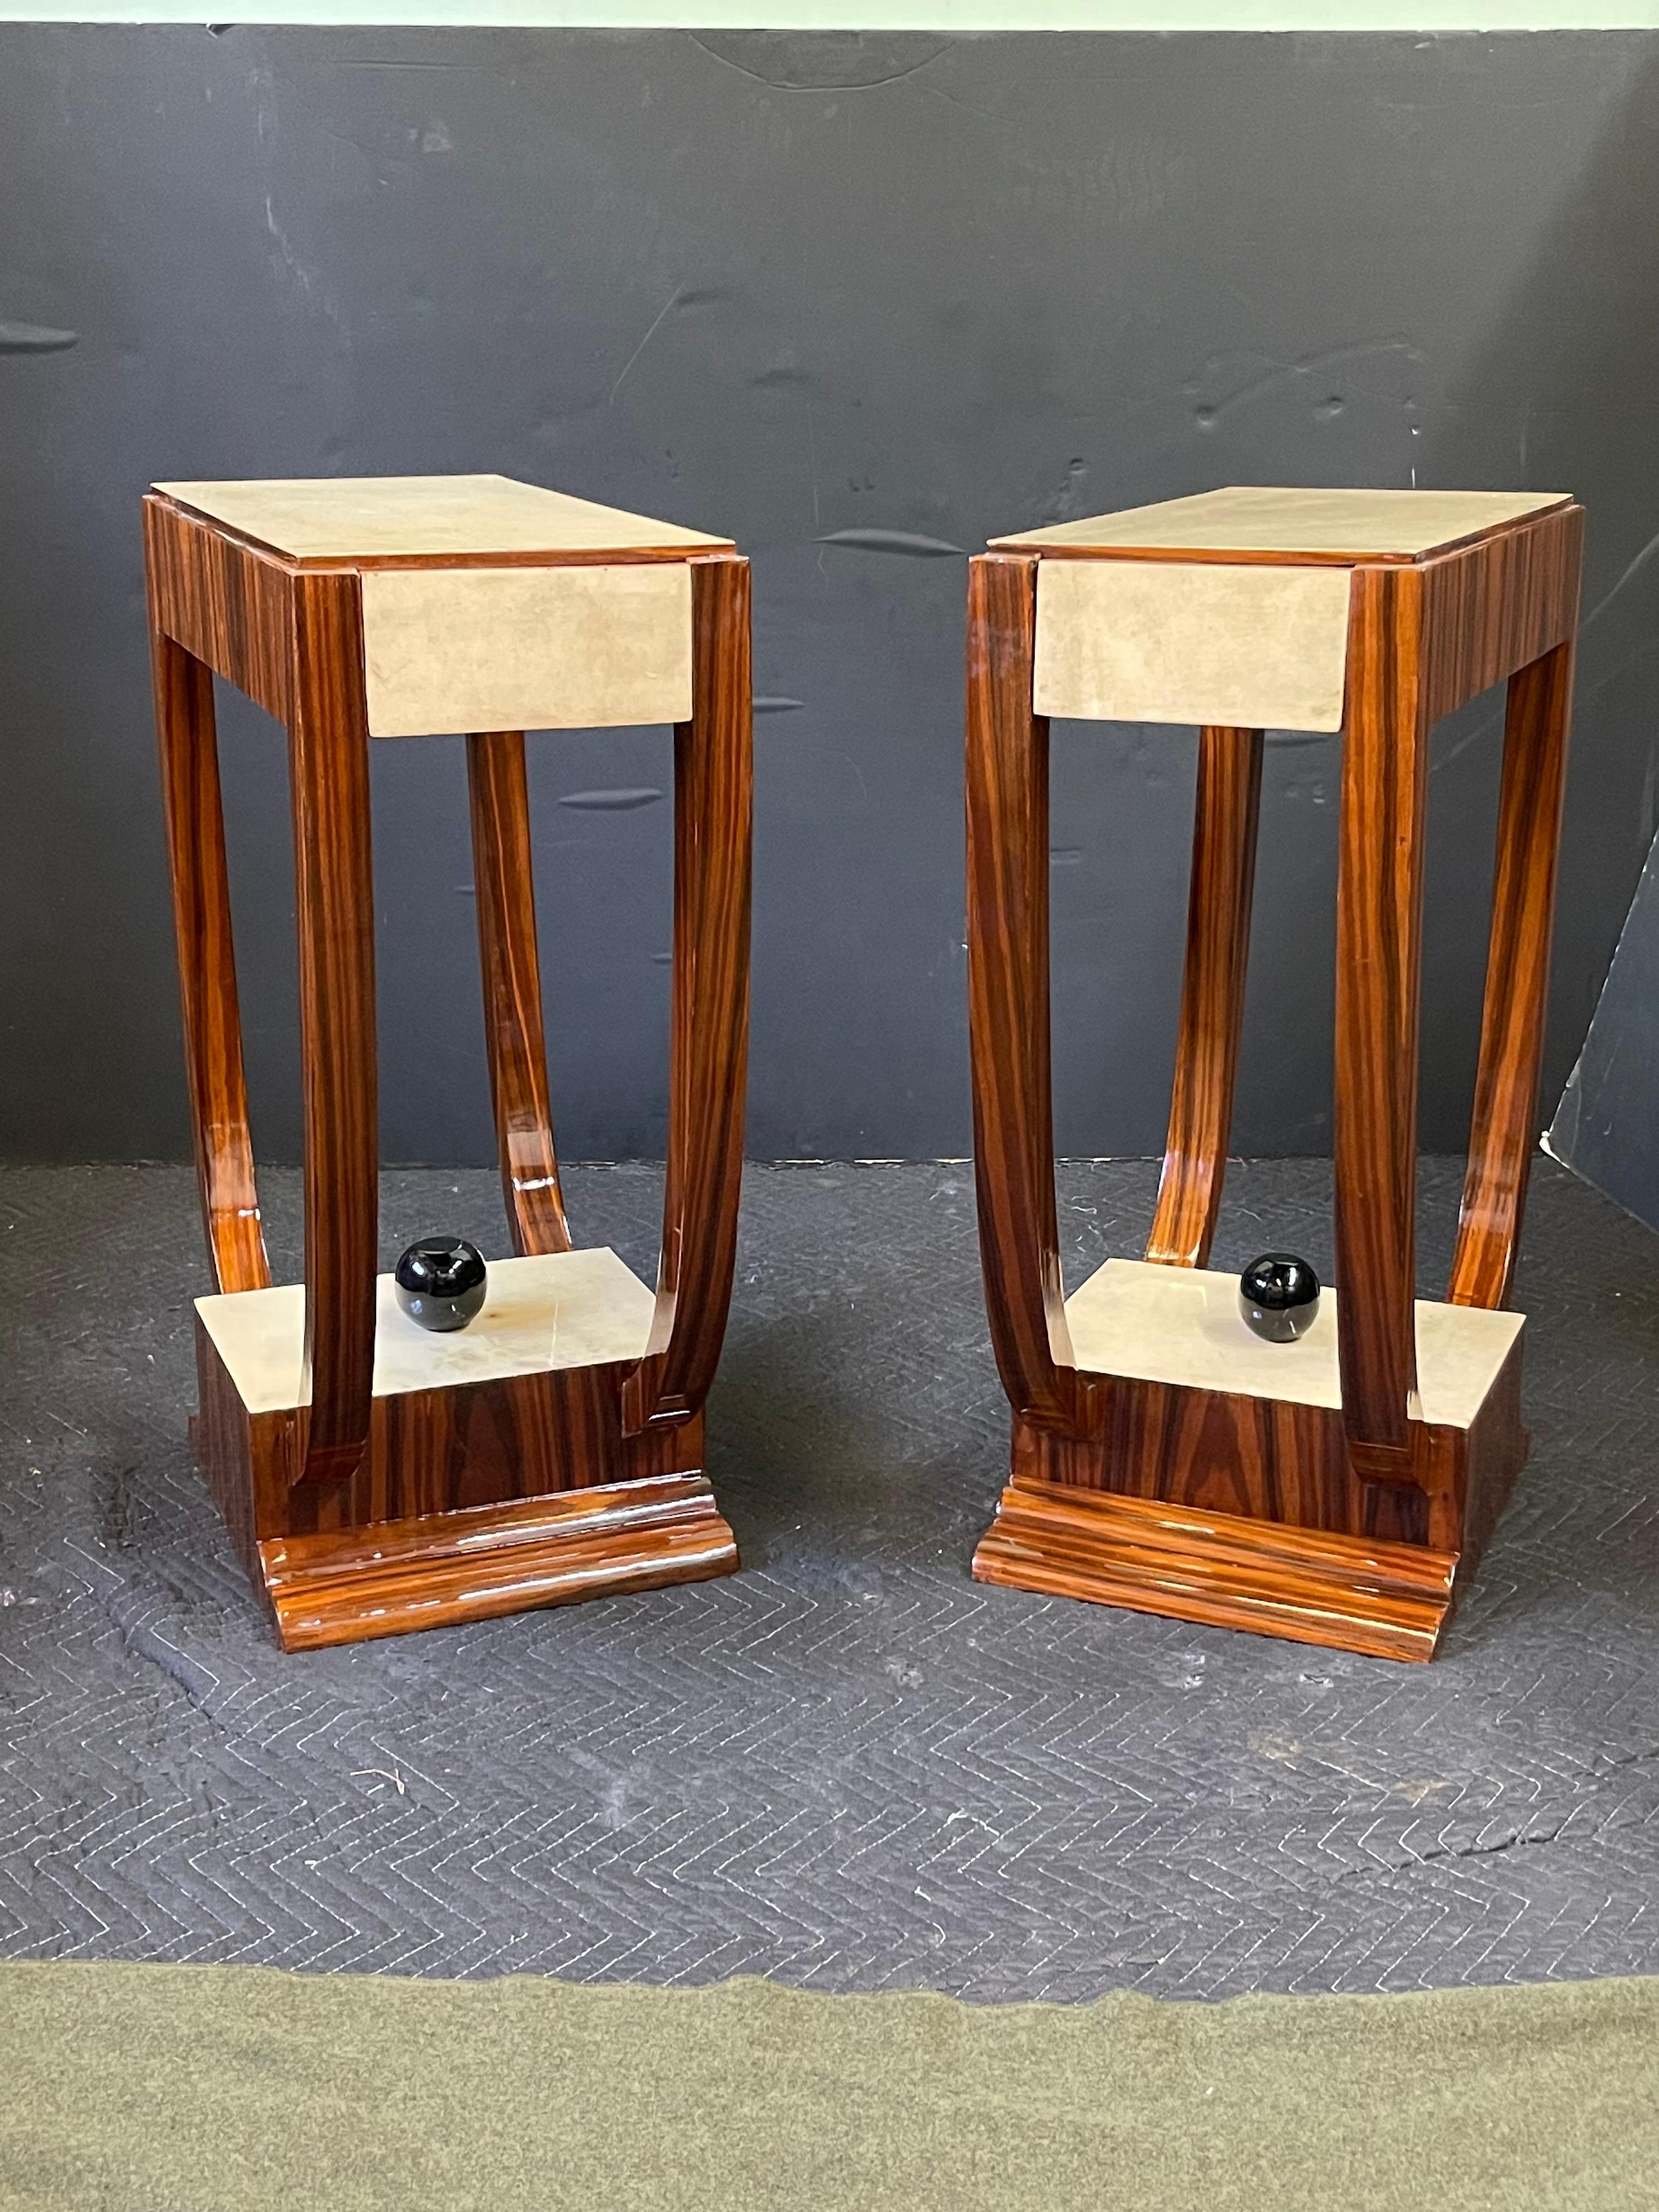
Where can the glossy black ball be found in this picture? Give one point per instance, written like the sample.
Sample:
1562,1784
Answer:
441,1282
1278,1297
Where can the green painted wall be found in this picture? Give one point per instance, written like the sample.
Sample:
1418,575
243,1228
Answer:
898,15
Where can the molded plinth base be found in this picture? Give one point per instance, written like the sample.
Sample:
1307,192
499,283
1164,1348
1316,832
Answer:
342,1586
1216,1483
1353,1593
497,1477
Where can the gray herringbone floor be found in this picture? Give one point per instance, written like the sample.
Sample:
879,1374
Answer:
849,1765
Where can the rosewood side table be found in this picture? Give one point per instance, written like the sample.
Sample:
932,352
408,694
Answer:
1332,1490
376,1477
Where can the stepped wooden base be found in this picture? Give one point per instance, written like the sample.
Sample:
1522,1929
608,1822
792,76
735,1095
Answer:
474,1499
1194,1493
347,1585
1388,1601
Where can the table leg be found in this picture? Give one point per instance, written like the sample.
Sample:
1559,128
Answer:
1504,1130
709,1022
1211,996
503,876
207,966
1008,790
1378,976
328,758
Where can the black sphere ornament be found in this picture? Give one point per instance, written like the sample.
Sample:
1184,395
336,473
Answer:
441,1282
1278,1297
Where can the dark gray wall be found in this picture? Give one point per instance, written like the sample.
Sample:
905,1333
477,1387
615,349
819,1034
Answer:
859,303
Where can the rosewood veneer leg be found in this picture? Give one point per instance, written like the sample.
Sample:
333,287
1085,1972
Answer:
328,753
1211,996
1504,1132
207,967
1378,974
1007,785
503,872
710,1023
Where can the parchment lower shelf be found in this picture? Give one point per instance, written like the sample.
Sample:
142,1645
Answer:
556,1310
1183,1325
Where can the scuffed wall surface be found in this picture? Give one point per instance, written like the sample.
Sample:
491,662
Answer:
860,302
1606,1126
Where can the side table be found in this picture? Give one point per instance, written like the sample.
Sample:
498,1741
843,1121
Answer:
377,1478
1334,1489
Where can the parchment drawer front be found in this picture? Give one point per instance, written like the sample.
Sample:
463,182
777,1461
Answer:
452,650
1251,648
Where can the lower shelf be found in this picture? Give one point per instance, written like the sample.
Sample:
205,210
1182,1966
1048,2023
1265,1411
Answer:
1355,1594
347,1585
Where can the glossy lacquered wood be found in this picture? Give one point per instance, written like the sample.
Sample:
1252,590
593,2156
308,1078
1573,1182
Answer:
1493,609
436,1489
207,967
1243,1513
709,1040
1379,924
441,1463
1422,640
1211,996
1287,1462
328,777
1503,1138
504,879
226,605
342,1463
1007,794
431,1571
1425,633
1388,1601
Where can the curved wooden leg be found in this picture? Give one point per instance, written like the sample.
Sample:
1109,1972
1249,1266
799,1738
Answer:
1505,1131
503,872
1008,1000
1211,996
1378,972
328,757
207,967
709,1031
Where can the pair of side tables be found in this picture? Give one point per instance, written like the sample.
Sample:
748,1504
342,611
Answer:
378,1479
